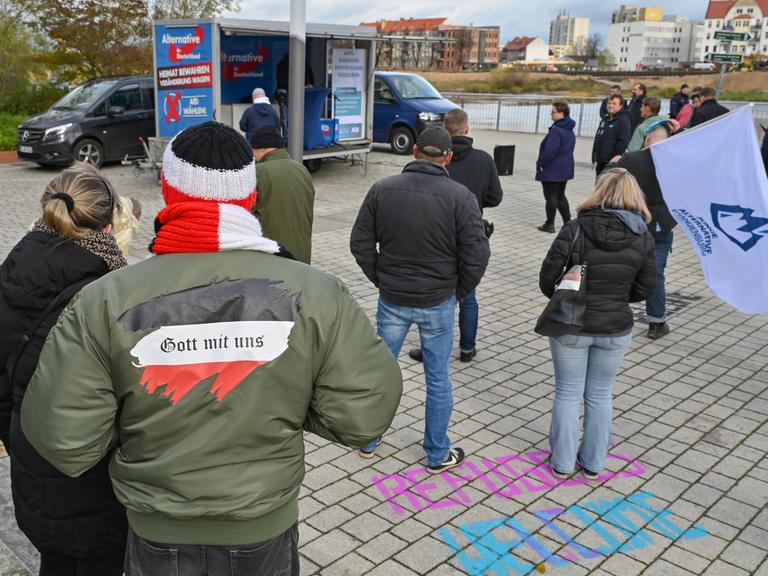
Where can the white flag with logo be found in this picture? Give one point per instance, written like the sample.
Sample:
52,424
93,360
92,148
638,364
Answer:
713,181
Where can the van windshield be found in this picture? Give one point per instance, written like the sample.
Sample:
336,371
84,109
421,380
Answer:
414,87
84,96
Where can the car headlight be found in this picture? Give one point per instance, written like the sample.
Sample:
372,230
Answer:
56,133
429,117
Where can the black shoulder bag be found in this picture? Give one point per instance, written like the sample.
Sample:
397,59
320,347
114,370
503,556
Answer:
564,314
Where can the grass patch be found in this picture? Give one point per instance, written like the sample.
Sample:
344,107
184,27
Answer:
509,82
9,124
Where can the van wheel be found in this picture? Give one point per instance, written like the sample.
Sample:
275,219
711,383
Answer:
89,151
401,140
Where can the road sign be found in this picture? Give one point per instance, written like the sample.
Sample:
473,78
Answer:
731,36
729,58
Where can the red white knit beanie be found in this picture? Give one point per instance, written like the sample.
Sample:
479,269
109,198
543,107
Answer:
209,162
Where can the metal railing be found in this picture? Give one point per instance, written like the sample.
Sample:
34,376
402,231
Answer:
531,114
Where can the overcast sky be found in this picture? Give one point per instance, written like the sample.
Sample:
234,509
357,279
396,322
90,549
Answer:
516,17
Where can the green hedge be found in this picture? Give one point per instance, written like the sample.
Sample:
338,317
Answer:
9,123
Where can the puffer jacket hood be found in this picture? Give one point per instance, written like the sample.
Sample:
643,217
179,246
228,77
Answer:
462,147
611,230
263,109
567,123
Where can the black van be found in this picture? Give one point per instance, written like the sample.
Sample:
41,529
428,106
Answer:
98,121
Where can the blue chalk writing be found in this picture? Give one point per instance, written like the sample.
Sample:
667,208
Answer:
486,552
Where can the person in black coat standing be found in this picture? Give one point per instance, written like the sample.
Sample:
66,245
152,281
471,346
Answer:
555,164
611,241
77,524
419,238
612,135
476,170
640,165
639,92
709,108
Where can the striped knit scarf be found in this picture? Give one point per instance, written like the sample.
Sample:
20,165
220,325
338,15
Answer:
208,227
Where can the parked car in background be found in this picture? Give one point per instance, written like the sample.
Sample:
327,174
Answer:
403,105
98,121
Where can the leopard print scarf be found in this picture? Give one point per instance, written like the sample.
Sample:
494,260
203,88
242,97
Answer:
102,245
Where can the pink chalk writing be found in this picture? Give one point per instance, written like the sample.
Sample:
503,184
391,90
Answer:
504,476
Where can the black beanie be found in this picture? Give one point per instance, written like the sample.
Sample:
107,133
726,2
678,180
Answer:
266,137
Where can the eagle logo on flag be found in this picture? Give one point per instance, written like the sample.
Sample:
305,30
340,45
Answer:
739,225
219,333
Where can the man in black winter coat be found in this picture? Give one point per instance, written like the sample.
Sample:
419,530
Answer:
615,89
612,135
640,165
639,91
708,109
477,171
419,238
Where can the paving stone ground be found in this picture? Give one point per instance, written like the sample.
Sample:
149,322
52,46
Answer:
687,486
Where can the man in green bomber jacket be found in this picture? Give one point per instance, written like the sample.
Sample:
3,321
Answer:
202,366
286,199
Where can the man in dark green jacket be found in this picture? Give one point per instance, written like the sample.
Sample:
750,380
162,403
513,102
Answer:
202,367
286,197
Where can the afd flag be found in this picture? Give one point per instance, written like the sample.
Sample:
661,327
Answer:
713,181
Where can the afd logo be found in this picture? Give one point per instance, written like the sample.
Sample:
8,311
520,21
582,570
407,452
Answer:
739,225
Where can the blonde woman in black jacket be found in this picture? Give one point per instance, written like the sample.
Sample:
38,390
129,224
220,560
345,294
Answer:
77,524
621,268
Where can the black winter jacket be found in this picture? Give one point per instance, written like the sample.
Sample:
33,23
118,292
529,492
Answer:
78,517
640,164
612,137
430,236
621,268
635,115
477,171
708,110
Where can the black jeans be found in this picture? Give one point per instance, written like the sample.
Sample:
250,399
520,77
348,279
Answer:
276,557
554,195
56,564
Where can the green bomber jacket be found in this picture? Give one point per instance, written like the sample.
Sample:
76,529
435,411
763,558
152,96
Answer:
201,372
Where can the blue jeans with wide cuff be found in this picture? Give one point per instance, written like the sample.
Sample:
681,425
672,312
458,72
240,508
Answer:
585,367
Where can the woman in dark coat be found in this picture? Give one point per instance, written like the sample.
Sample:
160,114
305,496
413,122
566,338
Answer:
554,167
77,524
619,254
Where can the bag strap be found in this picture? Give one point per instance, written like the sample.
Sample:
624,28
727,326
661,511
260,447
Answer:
567,263
63,297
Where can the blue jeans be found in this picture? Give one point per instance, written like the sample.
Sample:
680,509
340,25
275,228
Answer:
435,326
468,317
656,303
585,367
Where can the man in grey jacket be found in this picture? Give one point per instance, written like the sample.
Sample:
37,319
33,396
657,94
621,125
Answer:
419,238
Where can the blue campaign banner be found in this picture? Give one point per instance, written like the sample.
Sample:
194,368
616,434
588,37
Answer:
249,62
184,58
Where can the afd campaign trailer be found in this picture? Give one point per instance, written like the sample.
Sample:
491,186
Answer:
206,69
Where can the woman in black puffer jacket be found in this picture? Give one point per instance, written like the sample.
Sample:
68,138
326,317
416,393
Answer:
619,254
77,524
